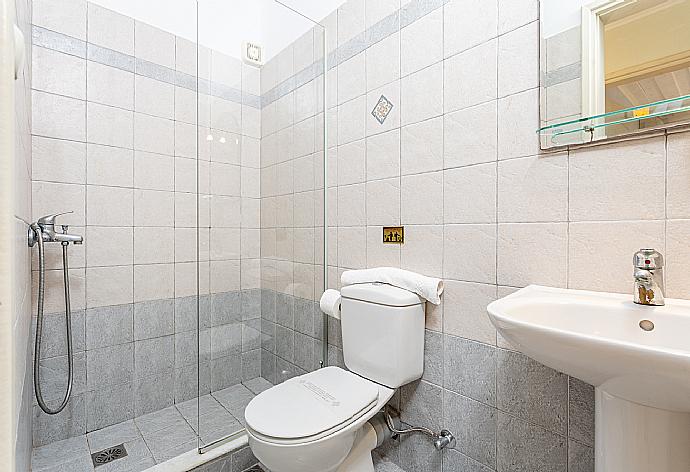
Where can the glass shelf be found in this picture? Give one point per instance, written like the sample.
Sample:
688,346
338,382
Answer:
592,128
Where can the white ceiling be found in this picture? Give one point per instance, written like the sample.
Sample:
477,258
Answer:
225,24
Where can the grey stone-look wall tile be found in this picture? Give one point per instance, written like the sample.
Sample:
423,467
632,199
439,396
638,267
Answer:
474,426
186,349
453,461
251,335
251,304
154,71
268,305
153,393
110,58
109,325
268,336
286,370
304,352
418,454
285,343
54,375
319,318
154,318
225,372
268,366
433,357
154,356
421,404
581,411
335,333
304,316
187,384
284,310
525,447
469,368
108,366
335,357
251,364
243,460
109,405
580,457
226,340
54,334
226,308
68,423
185,314
532,391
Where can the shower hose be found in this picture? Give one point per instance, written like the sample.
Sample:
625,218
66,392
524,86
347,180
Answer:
39,325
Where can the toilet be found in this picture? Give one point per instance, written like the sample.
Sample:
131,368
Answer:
324,421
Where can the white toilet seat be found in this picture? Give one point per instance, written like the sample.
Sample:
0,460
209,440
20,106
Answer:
311,407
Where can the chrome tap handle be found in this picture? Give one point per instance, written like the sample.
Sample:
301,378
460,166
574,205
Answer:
648,259
49,220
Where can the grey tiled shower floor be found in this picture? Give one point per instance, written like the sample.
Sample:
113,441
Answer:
155,437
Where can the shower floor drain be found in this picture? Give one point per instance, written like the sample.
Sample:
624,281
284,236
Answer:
106,456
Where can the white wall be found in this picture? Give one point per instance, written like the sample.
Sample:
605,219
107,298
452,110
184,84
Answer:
224,24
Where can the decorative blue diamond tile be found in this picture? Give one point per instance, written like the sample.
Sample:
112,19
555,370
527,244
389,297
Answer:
382,109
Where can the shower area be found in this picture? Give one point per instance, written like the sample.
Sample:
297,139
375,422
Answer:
187,141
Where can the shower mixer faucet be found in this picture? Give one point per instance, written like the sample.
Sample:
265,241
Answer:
47,227
41,232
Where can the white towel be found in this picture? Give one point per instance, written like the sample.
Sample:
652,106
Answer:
330,303
426,287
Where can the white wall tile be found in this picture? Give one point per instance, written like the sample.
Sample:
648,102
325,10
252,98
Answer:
618,241
421,43
518,121
226,211
383,155
423,250
154,45
470,136
185,105
391,92
352,163
154,171
154,134
352,243
224,276
677,258
225,179
58,73
421,95
351,124
109,165
351,20
470,78
54,290
154,282
109,286
55,116
108,246
67,16
185,56
469,194
110,29
352,205
51,198
604,180
469,253
464,311
383,61
154,97
383,202
110,86
185,140
154,246
56,160
468,23
533,189
678,176
110,126
378,10
352,78
515,13
422,147
422,199
109,206
518,60
532,253
154,208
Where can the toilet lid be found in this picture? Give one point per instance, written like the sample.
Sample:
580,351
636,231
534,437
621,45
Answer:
311,404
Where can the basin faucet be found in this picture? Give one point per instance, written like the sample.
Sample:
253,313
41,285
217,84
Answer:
649,277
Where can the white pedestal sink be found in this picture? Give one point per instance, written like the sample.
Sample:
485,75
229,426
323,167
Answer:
642,377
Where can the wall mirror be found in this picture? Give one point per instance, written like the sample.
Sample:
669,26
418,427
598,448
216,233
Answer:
611,68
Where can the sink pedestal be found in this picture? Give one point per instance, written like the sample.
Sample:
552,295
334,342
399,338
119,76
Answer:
634,438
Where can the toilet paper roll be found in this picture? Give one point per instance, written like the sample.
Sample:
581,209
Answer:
330,303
